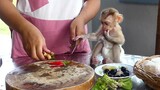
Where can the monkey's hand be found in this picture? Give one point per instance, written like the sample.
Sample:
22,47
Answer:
106,35
90,36
101,38
81,37
117,39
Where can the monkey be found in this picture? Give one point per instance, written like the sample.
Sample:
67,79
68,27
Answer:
110,20
109,37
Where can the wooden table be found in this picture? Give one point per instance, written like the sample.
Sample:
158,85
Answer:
8,65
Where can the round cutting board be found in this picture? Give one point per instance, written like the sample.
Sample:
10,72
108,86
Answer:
51,75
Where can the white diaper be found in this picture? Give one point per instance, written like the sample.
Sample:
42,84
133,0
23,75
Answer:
108,52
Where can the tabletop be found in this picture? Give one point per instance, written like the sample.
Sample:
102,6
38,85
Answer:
9,64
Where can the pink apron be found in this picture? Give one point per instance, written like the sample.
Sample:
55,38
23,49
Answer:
55,29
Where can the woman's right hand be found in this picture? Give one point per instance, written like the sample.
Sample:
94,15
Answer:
32,39
33,42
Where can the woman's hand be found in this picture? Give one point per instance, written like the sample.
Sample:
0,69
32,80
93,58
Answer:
77,29
32,39
33,42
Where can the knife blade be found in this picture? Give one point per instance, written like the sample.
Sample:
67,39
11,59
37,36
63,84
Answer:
74,45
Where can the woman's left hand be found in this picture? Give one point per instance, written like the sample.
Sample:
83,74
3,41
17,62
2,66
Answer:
77,28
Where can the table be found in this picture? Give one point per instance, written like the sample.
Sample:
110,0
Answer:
8,65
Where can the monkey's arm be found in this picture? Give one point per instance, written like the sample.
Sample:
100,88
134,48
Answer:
118,37
91,36
97,35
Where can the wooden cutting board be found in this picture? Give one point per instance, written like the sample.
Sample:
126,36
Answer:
51,75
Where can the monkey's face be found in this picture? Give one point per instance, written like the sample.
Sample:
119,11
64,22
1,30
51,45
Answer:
108,23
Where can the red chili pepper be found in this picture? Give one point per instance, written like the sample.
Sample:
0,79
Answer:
56,64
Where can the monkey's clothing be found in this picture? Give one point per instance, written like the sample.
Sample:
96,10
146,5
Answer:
53,19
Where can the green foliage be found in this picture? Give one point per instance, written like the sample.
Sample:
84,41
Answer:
4,29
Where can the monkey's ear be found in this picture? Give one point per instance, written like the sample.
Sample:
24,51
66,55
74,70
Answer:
119,18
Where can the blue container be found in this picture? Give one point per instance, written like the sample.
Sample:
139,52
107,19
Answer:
140,1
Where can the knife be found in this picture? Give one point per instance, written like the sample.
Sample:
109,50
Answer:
74,46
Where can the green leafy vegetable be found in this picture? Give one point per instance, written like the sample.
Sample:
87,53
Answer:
126,83
106,83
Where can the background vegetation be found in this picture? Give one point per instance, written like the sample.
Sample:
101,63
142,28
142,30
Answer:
4,29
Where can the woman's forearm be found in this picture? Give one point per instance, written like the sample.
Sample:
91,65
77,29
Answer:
11,16
89,10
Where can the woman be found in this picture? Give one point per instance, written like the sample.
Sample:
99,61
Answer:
47,25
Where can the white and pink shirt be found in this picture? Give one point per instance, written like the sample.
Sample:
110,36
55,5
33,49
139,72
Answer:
53,19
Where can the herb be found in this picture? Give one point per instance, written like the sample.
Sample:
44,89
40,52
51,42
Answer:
66,63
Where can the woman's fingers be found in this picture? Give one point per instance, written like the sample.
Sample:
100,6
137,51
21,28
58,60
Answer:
73,32
34,53
39,53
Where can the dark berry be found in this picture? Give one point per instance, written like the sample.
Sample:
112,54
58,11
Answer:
110,75
113,71
122,75
126,73
123,69
106,71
